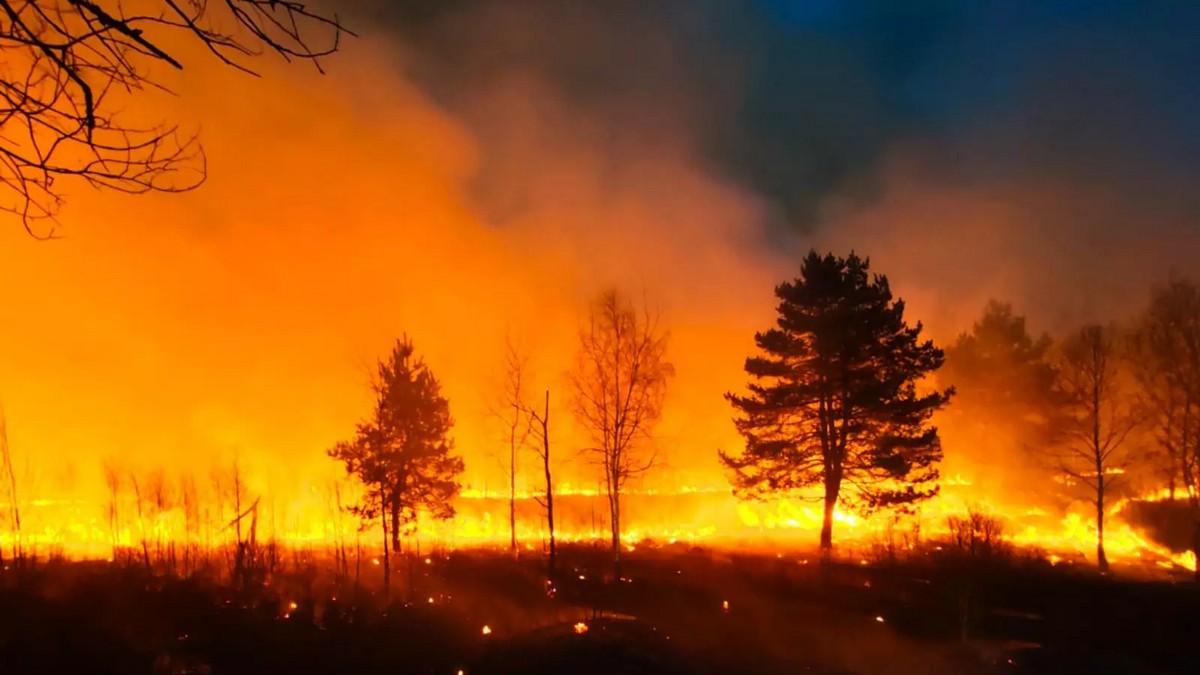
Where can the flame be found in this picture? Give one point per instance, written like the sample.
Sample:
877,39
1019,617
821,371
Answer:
486,630
581,628
712,517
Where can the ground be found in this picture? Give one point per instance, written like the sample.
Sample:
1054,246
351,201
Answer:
671,610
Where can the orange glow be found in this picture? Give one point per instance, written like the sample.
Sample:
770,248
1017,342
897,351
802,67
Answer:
177,335
486,630
581,628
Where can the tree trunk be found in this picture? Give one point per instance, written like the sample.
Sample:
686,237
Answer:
395,507
614,512
1101,560
831,495
549,484
357,564
387,571
512,496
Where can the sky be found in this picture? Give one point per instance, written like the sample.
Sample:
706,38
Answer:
1069,127
471,169
800,100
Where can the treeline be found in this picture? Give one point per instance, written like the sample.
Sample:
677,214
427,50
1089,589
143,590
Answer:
841,398
403,453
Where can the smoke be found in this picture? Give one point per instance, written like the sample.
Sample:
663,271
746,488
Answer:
180,331
471,170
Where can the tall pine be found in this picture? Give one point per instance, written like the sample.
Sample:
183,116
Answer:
833,399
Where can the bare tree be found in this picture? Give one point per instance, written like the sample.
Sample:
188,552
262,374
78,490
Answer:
9,481
1167,365
1164,357
230,485
69,63
539,425
336,513
513,413
619,384
1093,450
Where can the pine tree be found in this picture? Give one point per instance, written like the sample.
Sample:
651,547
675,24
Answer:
1006,411
833,399
403,452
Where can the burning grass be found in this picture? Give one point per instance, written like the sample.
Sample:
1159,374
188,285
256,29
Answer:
1144,534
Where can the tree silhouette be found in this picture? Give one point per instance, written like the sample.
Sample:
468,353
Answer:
403,452
514,415
1166,363
8,483
999,365
1004,386
539,428
69,64
1098,419
833,399
619,385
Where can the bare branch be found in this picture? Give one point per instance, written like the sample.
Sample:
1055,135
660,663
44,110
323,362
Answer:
65,58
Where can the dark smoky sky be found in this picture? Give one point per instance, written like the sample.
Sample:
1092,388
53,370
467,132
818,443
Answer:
795,100
1076,122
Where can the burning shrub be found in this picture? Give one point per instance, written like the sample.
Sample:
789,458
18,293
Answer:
896,541
978,535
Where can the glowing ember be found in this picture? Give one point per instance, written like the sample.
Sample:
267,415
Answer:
292,606
581,628
487,630
725,606
879,619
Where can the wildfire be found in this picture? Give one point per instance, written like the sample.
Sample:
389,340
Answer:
85,530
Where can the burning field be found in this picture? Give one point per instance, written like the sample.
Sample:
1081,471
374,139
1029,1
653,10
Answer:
468,336
170,517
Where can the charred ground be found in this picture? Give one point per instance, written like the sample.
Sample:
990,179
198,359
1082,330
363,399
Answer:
673,610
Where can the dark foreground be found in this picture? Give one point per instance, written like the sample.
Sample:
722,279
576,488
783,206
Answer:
671,611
